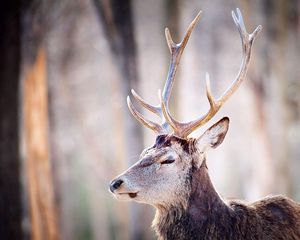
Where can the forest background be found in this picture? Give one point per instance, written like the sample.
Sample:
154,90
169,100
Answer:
66,68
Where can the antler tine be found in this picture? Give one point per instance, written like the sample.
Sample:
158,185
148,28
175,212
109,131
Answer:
176,52
184,129
247,40
210,97
154,109
149,124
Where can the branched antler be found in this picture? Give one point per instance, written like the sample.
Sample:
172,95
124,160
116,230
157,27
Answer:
184,129
176,52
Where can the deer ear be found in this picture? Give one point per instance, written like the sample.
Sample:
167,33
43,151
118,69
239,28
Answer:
213,136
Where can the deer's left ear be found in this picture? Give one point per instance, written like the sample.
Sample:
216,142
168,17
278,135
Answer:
213,136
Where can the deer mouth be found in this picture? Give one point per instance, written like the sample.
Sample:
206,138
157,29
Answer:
130,194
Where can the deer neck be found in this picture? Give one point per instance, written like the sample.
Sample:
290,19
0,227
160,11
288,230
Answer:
204,199
204,204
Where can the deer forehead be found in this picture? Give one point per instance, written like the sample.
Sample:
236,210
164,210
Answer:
167,147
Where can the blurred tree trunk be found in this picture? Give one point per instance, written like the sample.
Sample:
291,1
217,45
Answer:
38,167
10,169
116,19
263,181
43,222
285,25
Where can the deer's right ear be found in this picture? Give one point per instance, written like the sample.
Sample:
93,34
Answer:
213,136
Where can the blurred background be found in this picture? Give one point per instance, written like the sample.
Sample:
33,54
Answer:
66,67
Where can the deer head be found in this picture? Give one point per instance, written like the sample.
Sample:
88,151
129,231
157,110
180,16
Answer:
162,175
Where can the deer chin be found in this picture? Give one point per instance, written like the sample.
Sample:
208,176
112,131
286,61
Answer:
126,196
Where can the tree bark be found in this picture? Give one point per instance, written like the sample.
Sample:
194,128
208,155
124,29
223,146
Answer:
38,167
36,19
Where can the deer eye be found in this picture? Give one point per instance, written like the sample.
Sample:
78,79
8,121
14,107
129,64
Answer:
168,161
160,140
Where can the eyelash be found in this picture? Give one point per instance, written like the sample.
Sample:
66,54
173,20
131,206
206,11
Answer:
168,161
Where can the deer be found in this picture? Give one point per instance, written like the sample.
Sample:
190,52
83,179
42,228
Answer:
173,177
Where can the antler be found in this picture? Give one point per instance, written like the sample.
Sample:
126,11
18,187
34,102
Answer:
162,110
184,129
176,52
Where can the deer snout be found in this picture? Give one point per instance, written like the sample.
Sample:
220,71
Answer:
115,184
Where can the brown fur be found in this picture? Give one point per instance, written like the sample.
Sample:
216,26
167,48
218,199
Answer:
188,207
208,216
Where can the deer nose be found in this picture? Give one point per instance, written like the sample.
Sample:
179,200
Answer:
115,185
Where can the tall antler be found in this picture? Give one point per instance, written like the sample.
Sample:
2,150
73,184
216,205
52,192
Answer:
184,129
176,52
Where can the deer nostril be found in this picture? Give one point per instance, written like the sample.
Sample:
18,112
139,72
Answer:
115,185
